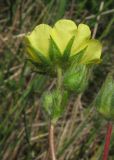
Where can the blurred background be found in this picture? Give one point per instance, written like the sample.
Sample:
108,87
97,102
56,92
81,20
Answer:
81,131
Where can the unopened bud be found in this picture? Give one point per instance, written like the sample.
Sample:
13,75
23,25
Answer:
76,79
54,103
105,99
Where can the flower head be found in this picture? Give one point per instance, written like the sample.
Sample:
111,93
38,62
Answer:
65,37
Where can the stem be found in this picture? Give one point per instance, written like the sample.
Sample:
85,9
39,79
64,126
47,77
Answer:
107,141
51,128
51,142
59,78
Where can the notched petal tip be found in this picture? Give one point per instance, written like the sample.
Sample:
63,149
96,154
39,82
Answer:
85,29
81,39
63,22
62,32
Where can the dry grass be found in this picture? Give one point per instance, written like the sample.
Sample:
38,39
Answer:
23,124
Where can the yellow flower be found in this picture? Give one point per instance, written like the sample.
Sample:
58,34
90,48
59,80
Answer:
39,41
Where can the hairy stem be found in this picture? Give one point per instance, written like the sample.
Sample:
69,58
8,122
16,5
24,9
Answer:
59,78
107,141
51,128
51,142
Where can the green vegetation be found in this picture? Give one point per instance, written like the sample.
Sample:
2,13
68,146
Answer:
81,131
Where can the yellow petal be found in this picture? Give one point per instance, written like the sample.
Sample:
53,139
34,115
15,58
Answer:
62,32
93,52
39,39
81,38
32,55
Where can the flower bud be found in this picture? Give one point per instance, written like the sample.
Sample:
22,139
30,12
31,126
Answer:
54,103
105,99
76,79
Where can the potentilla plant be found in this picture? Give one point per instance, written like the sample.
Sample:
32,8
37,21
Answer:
105,106
65,51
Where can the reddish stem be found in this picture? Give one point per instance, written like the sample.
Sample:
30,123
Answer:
51,142
107,141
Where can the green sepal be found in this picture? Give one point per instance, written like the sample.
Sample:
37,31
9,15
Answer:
55,54
95,61
42,68
67,50
54,104
47,101
76,59
60,99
